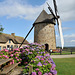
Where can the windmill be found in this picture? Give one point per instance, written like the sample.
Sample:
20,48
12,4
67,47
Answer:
56,17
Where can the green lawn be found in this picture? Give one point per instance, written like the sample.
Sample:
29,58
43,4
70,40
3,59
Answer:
63,53
65,66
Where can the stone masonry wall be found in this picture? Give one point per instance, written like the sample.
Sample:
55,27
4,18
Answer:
45,33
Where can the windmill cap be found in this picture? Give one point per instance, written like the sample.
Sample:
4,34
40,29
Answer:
44,17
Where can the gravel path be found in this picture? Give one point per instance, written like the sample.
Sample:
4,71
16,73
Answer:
62,56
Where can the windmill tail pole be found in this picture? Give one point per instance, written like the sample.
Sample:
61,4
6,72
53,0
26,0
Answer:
26,36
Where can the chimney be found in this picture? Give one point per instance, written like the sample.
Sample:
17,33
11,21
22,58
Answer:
13,34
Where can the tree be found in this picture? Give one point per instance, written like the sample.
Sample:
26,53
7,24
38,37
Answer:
1,29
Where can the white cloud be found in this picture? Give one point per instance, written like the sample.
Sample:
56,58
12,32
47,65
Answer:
15,8
72,40
69,36
66,9
69,40
67,28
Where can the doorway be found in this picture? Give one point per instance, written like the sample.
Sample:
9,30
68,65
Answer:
46,47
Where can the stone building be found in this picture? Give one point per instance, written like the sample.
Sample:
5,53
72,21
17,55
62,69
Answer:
10,41
44,32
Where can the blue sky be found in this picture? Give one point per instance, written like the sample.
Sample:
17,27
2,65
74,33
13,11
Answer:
17,16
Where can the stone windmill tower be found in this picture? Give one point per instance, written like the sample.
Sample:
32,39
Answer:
44,32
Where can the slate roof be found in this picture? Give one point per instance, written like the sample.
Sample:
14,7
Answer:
16,39
44,17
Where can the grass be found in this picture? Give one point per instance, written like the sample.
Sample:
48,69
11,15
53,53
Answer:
65,66
63,53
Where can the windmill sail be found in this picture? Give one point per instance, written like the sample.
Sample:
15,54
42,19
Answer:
59,23
55,7
60,32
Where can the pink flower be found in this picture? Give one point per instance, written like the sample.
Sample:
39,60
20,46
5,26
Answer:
12,61
18,55
39,64
33,73
32,49
42,59
39,73
6,50
17,49
3,55
19,62
53,66
53,71
29,52
0,56
16,52
17,59
49,73
11,55
37,69
7,57
27,49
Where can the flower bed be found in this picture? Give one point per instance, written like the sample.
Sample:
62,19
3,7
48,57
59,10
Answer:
56,51
32,54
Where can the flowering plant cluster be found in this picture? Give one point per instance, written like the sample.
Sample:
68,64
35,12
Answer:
42,65
30,51
22,55
32,54
4,54
15,54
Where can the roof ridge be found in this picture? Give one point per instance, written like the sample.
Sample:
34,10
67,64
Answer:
16,39
11,35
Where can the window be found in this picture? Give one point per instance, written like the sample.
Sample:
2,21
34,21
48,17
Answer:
17,46
11,46
8,47
0,48
4,47
9,41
